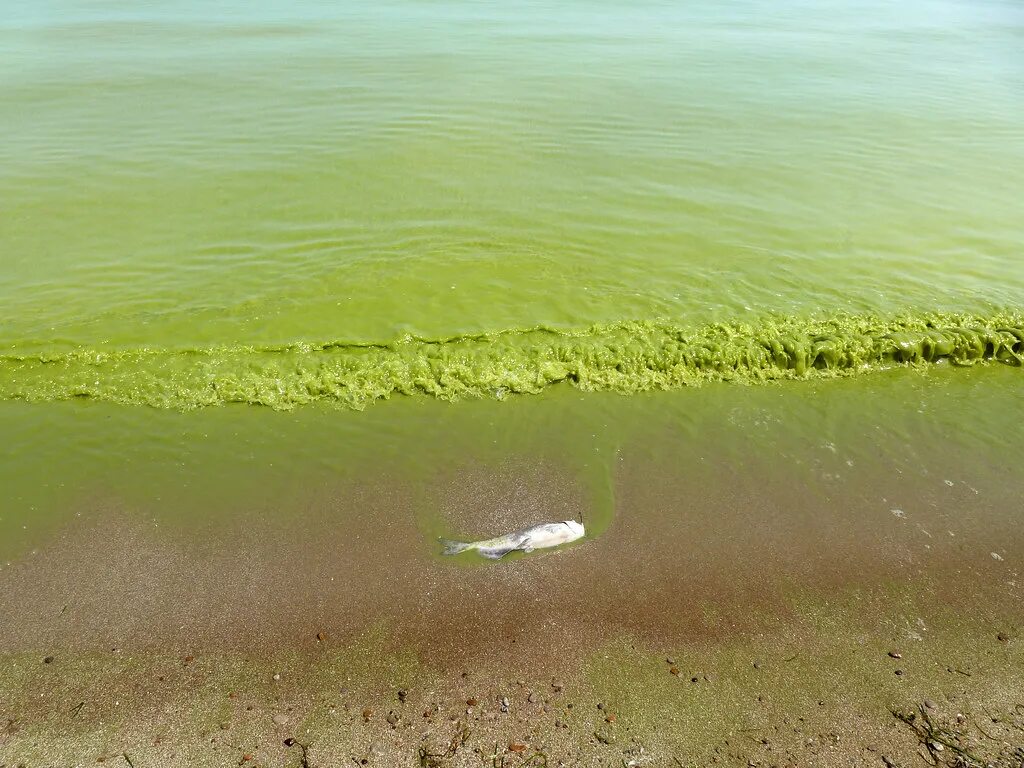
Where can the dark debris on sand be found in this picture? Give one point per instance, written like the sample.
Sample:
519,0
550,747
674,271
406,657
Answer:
965,741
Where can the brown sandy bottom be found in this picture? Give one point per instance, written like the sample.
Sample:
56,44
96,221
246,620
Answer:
743,614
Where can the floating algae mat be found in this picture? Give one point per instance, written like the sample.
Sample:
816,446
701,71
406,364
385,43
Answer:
623,357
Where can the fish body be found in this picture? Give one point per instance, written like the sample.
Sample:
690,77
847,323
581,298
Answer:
526,540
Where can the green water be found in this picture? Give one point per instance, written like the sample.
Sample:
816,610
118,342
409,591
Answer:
180,175
185,474
331,203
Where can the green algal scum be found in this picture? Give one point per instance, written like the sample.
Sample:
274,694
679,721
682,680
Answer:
625,357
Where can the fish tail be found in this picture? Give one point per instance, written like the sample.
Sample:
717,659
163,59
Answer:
449,547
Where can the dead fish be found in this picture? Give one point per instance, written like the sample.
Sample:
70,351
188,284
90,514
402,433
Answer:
527,540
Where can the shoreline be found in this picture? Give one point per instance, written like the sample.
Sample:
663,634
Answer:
166,651
772,548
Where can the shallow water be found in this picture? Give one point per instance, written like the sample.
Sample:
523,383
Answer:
816,449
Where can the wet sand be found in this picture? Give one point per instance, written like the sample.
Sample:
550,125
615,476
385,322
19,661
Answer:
741,609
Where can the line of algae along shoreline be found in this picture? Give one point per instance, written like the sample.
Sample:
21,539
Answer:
625,357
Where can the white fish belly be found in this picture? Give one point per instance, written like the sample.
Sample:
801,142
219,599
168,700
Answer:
538,537
549,536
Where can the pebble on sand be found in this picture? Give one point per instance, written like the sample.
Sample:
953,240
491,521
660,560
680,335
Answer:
280,719
48,660
895,655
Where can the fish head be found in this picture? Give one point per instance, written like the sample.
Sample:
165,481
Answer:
576,528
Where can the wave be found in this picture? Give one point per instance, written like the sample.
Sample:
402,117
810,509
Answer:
625,357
